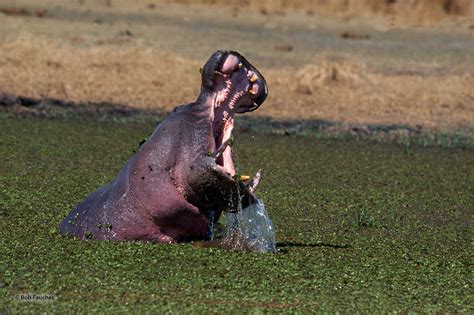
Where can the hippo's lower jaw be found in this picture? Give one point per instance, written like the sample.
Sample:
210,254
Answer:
237,87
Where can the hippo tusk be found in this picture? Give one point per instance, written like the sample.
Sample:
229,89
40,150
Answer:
247,190
222,148
252,184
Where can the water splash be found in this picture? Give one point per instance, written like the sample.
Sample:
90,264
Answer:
251,228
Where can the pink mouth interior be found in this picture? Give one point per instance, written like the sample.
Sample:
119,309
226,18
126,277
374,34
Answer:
232,85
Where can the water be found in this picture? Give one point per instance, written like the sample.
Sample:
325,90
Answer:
251,228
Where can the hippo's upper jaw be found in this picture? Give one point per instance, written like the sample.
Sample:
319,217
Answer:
230,84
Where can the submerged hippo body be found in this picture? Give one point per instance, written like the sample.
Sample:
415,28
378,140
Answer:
184,171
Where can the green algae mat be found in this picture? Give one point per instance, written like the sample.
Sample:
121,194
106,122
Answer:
361,226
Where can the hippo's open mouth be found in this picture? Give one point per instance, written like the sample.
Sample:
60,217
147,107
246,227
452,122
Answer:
237,87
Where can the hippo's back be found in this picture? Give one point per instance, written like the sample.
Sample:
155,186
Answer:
116,211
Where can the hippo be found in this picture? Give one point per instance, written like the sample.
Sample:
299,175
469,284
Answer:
183,176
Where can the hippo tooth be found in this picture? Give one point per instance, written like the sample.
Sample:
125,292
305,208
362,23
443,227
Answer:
253,90
253,78
240,65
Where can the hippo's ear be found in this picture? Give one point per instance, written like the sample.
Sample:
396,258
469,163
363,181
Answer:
208,71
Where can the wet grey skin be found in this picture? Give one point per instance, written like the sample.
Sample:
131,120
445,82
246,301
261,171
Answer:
184,172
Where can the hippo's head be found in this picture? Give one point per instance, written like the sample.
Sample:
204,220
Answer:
230,85
229,73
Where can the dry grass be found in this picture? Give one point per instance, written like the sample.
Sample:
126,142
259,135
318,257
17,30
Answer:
140,77
333,75
133,75
411,11
400,12
346,92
